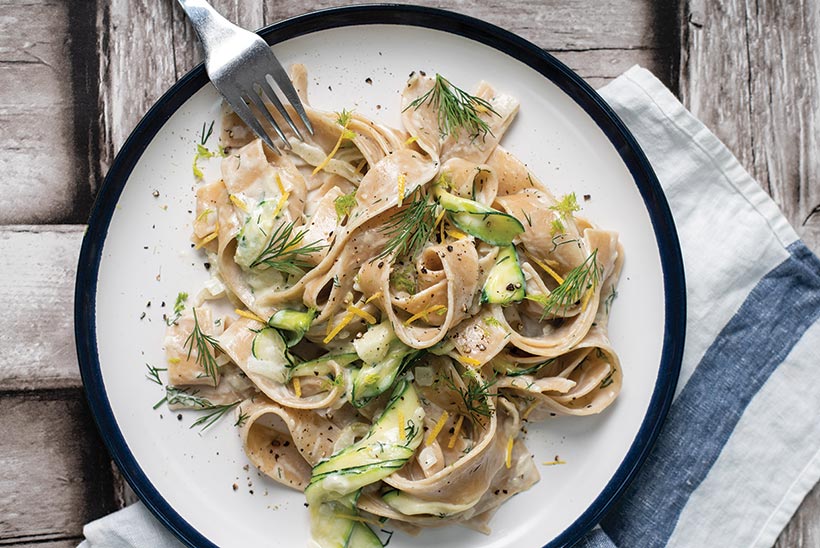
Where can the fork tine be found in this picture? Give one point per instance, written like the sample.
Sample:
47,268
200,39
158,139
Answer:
268,90
260,106
244,112
281,78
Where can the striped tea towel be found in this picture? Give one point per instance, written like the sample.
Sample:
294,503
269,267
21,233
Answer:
741,445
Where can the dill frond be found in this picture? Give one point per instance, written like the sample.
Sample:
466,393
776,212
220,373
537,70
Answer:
456,108
410,227
204,356
153,374
285,249
578,281
475,397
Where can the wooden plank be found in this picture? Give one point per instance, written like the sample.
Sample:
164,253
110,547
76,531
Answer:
55,475
136,66
749,72
39,163
600,43
599,67
552,24
69,542
804,528
37,291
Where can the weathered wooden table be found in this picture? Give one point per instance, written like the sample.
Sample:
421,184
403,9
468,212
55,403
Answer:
76,76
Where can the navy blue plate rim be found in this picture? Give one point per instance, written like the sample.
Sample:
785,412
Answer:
432,18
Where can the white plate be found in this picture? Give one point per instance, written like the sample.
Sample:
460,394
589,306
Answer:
137,250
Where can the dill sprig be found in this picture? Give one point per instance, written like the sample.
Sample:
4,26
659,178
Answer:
241,419
475,397
607,380
577,282
410,227
215,412
204,355
205,135
285,249
608,301
153,374
179,308
189,399
185,398
456,108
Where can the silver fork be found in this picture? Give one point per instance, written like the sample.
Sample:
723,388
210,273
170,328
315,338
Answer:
241,66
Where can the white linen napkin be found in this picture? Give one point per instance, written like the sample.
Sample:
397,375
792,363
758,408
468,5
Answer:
741,445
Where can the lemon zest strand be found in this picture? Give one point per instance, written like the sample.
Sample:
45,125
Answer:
557,277
424,313
431,437
248,314
205,213
297,387
237,201
456,233
585,300
208,238
402,433
466,360
280,184
508,458
402,181
282,201
346,134
341,325
373,297
456,431
363,314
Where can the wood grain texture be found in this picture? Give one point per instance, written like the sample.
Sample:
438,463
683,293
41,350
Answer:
54,471
138,65
37,292
804,527
749,71
36,113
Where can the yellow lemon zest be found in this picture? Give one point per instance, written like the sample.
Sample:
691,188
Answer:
456,431
341,325
431,437
424,313
366,316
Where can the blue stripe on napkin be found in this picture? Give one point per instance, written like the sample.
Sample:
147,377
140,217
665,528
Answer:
750,347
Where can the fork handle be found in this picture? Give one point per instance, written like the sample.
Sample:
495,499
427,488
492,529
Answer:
209,25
